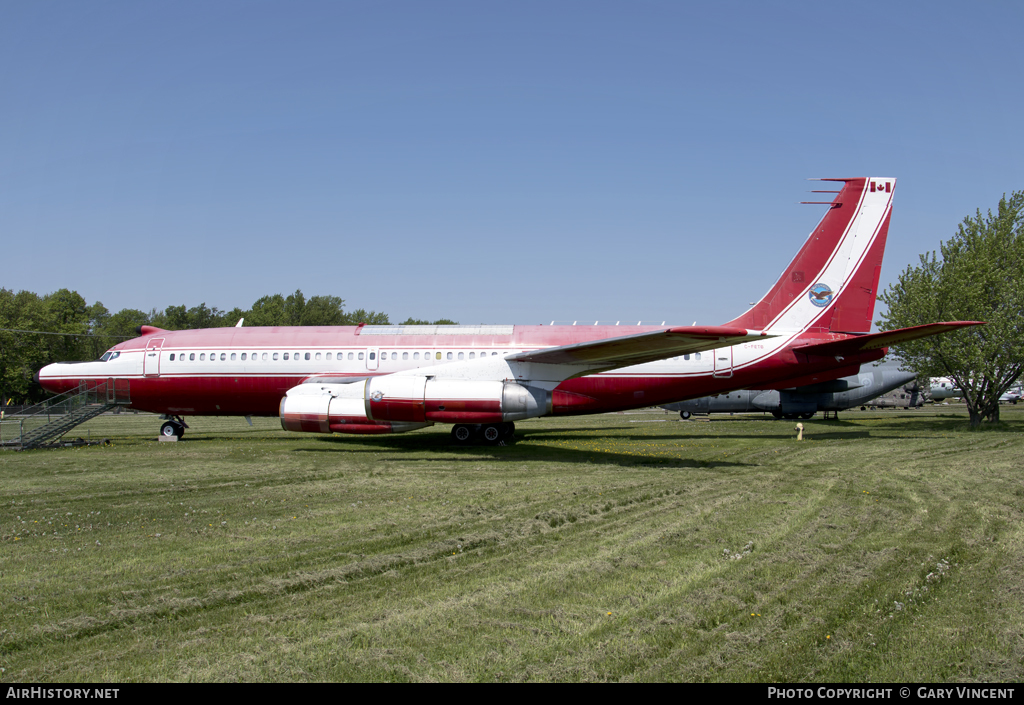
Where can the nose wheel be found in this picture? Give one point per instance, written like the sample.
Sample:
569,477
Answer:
174,427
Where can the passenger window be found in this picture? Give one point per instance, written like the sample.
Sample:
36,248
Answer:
405,356
264,357
285,356
350,356
493,354
462,356
243,357
361,356
202,357
172,357
232,357
373,356
696,356
394,356
415,356
318,356
686,357
275,355
223,357
449,356
191,356
472,356
306,356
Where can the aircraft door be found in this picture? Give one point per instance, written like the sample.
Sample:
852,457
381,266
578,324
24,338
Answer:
723,362
151,358
371,358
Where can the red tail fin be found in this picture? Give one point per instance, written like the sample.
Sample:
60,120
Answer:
832,282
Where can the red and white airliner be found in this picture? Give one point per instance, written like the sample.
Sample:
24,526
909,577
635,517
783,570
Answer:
813,325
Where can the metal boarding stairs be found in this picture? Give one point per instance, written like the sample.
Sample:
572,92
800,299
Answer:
47,421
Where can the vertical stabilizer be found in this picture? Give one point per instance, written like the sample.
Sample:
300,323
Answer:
831,284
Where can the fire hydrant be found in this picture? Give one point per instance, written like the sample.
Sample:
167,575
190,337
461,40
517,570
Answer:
799,431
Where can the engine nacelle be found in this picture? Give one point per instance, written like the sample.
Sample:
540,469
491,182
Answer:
399,403
334,408
407,399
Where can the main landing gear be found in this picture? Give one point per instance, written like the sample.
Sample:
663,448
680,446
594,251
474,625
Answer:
494,434
174,426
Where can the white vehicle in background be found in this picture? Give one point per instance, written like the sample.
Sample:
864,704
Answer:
943,388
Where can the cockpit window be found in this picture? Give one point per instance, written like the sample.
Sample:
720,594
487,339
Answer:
110,355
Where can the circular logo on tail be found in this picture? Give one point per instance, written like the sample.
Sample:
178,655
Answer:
820,295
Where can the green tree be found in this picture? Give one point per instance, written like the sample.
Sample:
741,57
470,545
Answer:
41,330
123,325
323,311
372,318
202,317
978,277
267,311
171,318
422,322
294,305
231,317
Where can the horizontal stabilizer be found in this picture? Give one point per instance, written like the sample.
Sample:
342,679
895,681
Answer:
642,347
874,341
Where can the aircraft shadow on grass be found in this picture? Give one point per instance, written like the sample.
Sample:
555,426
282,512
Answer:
517,452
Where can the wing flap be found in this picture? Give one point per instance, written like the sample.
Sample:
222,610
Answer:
637,349
874,341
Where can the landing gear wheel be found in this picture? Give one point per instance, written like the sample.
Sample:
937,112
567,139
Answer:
171,428
777,414
789,417
807,415
461,433
492,433
684,415
508,430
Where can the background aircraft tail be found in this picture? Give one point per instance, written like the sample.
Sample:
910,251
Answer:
831,284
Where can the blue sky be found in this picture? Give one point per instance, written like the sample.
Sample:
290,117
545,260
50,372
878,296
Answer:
491,163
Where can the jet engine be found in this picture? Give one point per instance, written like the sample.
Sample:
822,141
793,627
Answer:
399,403
333,408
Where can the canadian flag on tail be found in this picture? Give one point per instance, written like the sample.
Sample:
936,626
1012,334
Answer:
881,186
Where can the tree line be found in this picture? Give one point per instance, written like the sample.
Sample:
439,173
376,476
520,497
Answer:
38,330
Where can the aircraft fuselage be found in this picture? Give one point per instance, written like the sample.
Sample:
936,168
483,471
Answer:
246,371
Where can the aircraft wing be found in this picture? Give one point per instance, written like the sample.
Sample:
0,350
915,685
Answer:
873,341
637,349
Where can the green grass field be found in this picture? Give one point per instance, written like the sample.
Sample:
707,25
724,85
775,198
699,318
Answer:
887,546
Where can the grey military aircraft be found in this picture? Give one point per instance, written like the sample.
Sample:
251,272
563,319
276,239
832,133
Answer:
872,381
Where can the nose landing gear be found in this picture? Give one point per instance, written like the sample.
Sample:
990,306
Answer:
175,426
